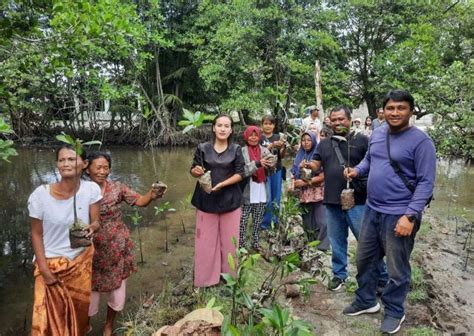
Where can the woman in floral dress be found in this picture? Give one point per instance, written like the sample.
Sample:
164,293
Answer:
113,259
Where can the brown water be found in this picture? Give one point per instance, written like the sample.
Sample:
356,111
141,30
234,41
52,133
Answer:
139,168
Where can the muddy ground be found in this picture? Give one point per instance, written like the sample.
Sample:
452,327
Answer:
449,304
442,305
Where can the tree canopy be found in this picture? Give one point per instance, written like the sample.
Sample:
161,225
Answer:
59,60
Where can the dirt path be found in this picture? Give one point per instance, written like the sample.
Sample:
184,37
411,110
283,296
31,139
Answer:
448,305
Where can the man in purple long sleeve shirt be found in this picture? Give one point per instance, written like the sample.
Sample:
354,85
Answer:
393,213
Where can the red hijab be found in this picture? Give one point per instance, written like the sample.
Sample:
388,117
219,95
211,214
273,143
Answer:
255,153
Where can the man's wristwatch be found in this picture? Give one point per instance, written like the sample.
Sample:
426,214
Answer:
412,218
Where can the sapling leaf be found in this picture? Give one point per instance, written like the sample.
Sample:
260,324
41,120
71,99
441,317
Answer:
188,128
230,260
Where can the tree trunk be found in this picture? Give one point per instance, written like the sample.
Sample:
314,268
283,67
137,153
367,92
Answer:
371,104
317,86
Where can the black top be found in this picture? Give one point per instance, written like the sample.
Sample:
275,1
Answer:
266,141
334,180
222,166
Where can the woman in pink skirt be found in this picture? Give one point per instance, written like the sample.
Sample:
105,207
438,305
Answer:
218,209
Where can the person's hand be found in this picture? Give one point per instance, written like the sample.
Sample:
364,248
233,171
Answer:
157,190
300,183
350,173
305,164
218,186
265,163
49,277
197,171
404,227
91,229
278,144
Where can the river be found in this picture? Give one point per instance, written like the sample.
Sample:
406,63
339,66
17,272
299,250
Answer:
139,168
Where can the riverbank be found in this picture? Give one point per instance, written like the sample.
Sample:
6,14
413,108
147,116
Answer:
439,303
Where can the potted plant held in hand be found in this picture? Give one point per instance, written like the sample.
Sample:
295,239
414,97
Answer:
77,232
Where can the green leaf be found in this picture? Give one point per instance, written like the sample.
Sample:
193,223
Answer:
230,260
314,243
230,280
211,302
65,138
188,128
184,122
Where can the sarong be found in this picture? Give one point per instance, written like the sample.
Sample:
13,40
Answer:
62,308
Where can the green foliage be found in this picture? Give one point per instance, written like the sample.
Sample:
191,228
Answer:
76,143
248,315
193,120
6,146
452,97
282,323
163,208
60,59
418,286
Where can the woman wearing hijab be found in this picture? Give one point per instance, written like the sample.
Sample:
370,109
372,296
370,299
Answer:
255,194
310,190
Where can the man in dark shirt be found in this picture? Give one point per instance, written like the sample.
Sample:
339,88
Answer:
353,148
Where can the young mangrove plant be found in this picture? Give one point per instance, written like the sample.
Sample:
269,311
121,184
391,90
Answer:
136,218
249,316
163,209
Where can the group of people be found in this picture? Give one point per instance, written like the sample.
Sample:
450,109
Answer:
69,280
392,174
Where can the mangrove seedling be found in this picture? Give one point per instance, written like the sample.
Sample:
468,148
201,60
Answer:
136,218
184,205
162,209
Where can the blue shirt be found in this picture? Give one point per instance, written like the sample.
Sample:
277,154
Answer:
414,152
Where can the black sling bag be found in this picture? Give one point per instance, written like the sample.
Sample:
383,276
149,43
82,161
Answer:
399,172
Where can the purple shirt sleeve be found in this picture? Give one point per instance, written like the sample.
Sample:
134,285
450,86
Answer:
425,163
363,167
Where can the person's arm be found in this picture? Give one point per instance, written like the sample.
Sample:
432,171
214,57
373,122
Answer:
38,247
151,195
282,150
236,178
425,166
314,165
94,216
318,179
196,167
362,169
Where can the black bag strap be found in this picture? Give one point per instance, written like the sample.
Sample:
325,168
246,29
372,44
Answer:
396,167
335,145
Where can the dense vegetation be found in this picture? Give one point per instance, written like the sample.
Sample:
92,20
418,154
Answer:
61,59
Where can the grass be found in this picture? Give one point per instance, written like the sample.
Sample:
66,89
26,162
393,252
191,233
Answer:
424,229
422,331
418,285
363,327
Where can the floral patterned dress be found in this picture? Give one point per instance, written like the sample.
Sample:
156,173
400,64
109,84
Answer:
113,258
